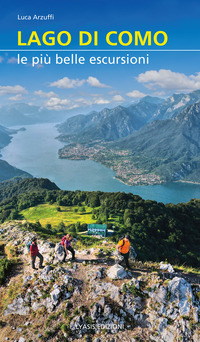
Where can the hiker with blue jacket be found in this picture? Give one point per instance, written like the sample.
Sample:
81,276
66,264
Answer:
34,252
123,247
68,247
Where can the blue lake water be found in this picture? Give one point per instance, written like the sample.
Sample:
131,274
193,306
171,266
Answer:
36,151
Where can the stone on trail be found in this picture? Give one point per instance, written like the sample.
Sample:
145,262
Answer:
59,252
17,307
117,272
166,267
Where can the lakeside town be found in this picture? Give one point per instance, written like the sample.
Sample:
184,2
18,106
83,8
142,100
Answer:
119,161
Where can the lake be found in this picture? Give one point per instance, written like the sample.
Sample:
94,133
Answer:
35,150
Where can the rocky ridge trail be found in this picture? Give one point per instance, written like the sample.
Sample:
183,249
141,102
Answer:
93,299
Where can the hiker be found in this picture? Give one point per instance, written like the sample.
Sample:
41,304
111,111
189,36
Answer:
68,247
34,252
123,247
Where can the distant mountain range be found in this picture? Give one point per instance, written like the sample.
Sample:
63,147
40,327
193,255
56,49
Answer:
119,122
169,148
109,124
6,170
174,104
162,136
25,114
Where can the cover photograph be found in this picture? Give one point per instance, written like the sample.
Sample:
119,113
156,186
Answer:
100,171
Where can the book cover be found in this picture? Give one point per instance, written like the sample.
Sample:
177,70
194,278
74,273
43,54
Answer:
123,68
103,97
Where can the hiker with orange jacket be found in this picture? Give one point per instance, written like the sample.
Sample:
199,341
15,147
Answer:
123,247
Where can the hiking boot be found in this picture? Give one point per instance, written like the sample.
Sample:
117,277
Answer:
34,268
73,260
42,267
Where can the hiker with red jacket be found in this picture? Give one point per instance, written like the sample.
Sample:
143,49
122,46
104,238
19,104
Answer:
68,247
123,247
34,252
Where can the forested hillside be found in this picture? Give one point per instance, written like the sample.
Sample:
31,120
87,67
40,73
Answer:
158,231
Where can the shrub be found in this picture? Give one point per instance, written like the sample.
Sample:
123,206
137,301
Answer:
5,266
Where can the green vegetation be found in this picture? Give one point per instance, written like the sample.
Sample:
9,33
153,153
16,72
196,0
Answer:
46,214
5,266
158,232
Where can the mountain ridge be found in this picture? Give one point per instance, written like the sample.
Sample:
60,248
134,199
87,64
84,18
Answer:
160,151
120,121
173,144
108,124
27,114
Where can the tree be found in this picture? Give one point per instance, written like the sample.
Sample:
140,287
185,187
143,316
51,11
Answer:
48,226
61,227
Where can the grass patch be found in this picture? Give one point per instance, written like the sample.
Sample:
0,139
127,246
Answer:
187,269
46,213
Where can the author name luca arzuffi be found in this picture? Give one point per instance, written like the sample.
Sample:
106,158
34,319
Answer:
35,17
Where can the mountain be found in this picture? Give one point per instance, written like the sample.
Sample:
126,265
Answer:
108,124
25,114
175,104
5,136
8,171
169,148
116,123
17,186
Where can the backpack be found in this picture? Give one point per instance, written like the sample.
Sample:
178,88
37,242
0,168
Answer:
133,254
123,242
29,245
63,240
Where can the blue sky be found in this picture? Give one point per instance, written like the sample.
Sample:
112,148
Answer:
81,88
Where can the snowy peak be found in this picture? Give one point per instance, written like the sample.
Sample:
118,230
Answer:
174,104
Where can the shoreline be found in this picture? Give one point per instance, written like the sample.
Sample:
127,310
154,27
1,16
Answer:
123,182
189,182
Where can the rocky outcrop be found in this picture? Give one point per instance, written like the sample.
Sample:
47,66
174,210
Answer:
172,310
101,302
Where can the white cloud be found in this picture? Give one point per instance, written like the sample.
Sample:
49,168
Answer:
118,98
12,60
169,80
83,101
113,92
74,106
8,90
1,59
17,97
94,82
57,103
136,94
42,94
101,101
67,83
159,93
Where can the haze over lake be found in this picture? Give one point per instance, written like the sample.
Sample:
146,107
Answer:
36,151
